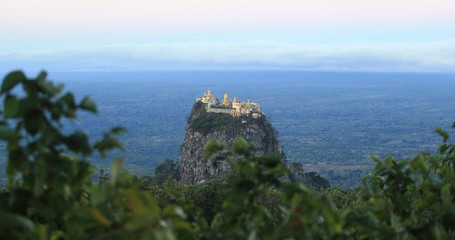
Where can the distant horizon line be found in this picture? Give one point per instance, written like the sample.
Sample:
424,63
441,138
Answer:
228,70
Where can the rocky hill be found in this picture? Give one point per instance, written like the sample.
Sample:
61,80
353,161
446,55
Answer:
203,126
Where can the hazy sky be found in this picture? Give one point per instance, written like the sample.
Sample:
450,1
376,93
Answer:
342,35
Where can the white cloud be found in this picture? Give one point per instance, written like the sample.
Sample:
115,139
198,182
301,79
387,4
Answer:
82,15
437,56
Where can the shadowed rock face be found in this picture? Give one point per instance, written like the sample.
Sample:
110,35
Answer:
203,126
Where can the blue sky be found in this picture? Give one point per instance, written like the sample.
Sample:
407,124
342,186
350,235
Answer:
348,35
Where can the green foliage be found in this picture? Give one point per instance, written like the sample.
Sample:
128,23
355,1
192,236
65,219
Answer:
167,170
47,168
50,194
311,179
415,198
212,147
205,122
344,198
345,178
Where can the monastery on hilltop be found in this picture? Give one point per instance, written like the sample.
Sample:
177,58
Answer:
234,107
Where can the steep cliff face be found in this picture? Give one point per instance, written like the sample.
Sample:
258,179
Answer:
203,126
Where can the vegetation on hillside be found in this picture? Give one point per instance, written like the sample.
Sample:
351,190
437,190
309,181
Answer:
204,122
50,194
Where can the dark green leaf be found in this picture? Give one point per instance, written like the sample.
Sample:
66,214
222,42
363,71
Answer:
118,130
11,106
443,134
46,86
41,76
212,147
30,87
17,221
68,99
242,147
11,80
107,143
27,105
78,142
7,134
88,104
442,148
32,122
66,106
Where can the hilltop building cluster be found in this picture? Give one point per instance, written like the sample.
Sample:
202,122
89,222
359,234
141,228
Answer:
234,107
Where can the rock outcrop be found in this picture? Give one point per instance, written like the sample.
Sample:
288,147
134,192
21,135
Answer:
203,126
